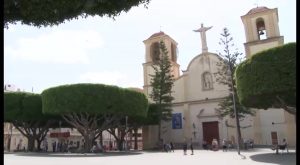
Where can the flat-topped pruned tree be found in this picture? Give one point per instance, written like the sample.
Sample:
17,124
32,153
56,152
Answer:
268,79
24,111
48,13
93,108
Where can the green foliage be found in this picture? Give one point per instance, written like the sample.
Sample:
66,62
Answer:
23,106
225,76
153,115
12,105
162,82
94,99
266,75
226,108
24,111
53,12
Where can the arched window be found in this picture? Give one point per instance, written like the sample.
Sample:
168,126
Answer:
155,53
173,52
261,28
207,82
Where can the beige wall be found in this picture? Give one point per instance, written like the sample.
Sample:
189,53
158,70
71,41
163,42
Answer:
263,46
199,65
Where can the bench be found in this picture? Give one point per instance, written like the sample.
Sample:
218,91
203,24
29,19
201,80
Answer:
280,147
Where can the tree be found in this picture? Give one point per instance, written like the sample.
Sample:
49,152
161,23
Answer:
24,111
92,108
268,79
225,76
48,13
162,83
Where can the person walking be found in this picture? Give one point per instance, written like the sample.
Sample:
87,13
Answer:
172,146
192,148
184,148
224,145
215,145
204,145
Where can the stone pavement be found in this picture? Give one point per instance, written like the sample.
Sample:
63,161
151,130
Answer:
200,157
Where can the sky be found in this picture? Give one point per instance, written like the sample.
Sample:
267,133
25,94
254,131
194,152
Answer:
103,50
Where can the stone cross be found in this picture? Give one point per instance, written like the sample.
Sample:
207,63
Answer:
202,31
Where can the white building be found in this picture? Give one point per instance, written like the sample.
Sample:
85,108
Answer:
197,93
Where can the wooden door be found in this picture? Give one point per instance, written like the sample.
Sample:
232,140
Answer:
274,138
210,131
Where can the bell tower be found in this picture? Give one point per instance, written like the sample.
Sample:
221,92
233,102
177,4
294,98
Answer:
153,54
261,30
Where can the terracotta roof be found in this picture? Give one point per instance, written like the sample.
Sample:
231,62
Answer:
257,10
157,34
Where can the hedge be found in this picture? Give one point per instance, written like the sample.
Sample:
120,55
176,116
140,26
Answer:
268,74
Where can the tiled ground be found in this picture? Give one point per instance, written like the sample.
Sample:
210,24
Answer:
200,157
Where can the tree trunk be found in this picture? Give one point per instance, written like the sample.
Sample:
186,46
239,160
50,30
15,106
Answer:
120,143
159,128
39,142
135,130
101,139
239,135
88,143
30,146
8,143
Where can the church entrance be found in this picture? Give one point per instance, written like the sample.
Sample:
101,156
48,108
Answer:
210,131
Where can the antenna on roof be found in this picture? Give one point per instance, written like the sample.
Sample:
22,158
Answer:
160,28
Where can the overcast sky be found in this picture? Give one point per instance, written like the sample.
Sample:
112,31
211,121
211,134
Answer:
103,50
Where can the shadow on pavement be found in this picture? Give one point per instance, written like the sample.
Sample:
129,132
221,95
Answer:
78,154
282,159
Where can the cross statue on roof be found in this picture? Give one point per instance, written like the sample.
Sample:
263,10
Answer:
202,31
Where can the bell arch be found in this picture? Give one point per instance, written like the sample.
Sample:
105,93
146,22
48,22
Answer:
261,28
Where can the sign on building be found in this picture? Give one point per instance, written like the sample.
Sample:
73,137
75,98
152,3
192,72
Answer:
176,121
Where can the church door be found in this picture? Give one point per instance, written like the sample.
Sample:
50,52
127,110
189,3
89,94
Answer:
210,131
274,138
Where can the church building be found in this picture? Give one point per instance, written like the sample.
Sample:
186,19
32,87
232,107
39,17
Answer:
197,93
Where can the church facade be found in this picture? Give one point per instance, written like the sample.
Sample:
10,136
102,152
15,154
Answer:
197,93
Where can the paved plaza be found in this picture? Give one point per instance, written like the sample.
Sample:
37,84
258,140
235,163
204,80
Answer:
200,157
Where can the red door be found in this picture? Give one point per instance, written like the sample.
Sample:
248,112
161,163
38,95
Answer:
274,138
210,131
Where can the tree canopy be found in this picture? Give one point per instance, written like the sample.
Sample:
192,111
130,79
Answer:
24,111
53,12
268,79
225,76
93,108
94,99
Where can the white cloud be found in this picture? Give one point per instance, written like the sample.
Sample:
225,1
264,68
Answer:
58,46
110,78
